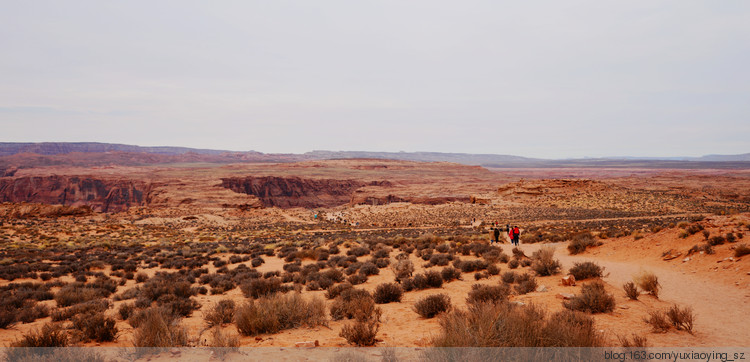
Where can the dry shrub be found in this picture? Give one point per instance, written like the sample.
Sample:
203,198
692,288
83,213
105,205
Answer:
741,250
586,270
580,242
468,266
508,277
356,279
387,293
631,290
159,329
648,282
225,341
354,303
220,313
518,253
361,333
402,269
526,286
369,269
681,318
50,335
513,263
450,273
658,321
544,262
593,299
78,293
257,288
507,325
493,269
335,290
433,305
92,306
96,327
482,293
125,310
7,318
279,312
716,240
637,341
32,313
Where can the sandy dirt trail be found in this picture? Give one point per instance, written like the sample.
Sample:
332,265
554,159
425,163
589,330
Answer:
721,310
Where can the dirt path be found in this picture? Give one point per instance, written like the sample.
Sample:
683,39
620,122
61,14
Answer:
721,310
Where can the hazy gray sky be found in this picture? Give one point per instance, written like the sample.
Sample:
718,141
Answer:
532,78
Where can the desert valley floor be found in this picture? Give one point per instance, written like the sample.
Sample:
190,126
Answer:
79,243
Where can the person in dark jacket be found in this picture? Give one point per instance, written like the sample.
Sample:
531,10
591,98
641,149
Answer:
516,235
496,232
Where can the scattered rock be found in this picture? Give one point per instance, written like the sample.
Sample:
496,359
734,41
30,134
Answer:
174,352
518,303
307,344
565,295
686,259
569,281
671,254
541,288
624,307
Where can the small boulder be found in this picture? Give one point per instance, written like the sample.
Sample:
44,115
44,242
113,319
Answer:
569,281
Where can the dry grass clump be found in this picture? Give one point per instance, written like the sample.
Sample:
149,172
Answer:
580,242
586,270
636,342
159,329
544,262
507,325
387,293
631,291
681,318
279,312
658,321
223,342
482,293
96,327
220,313
741,250
50,335
648,282
593,299
433,305
77,292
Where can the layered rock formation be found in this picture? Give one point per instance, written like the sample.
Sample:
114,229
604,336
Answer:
99,194
288,192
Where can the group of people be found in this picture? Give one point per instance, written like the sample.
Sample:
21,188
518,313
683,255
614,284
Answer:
513,233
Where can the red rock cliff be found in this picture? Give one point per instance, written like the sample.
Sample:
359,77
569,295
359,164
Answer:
288,192
99,194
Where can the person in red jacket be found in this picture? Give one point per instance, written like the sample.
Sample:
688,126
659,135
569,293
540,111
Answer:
516,234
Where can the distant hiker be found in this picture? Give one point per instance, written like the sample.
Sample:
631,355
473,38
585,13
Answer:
496,232
516,234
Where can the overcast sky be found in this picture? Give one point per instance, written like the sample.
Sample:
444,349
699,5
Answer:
546,79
